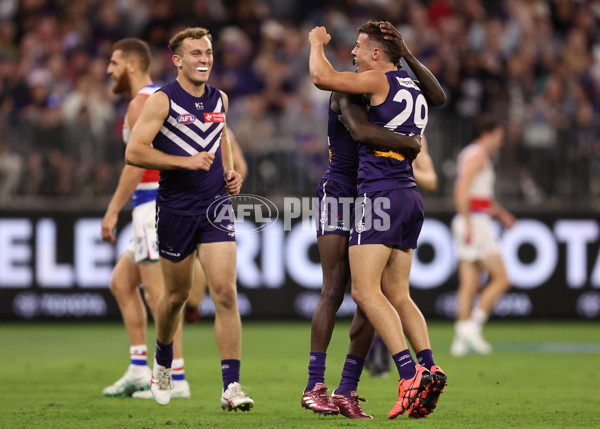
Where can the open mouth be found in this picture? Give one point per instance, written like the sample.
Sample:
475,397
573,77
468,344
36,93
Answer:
202,69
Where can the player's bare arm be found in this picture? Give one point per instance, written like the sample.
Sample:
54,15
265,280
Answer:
505,217
128,181
139,151
374,136
423,168
233,180
432,90
370,82
239,163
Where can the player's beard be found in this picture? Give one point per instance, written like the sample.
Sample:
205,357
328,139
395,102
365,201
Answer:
122,84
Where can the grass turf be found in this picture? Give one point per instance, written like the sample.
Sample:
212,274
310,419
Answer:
540,375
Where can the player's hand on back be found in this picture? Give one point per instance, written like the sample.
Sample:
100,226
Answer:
319,35
233,182
200,161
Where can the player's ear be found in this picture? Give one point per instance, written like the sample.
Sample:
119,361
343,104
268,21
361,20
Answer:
176,60
376,53
133,65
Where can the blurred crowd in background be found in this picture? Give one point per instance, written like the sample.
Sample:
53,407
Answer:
534,63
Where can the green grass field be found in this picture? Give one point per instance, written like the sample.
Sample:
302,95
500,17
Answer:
540,375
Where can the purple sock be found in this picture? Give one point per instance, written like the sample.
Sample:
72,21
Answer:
350,375
425,358
230,368
316,369
164,354
405,364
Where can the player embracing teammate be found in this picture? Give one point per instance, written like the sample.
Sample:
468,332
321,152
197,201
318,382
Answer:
382,243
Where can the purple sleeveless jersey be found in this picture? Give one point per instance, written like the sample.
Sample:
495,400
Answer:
343,151
404,111
194,125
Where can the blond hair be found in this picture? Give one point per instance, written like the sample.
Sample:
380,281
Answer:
189,33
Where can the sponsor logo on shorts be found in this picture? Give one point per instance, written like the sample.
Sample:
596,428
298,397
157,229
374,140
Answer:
175,255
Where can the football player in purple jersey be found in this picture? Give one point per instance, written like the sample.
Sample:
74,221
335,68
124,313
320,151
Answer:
381,245
181,132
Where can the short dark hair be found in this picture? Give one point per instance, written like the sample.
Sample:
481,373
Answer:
189,33
388,47
136,47
484,123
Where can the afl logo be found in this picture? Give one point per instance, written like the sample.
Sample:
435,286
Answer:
186,119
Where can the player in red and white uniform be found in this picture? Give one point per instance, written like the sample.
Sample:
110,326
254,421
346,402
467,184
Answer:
129,64
475,238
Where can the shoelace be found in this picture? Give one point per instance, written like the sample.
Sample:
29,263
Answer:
354,403
236,390
164,380
322,394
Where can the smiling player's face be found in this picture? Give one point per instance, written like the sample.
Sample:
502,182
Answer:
196,60
362,53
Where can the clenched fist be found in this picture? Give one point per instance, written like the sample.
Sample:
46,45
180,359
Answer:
319,35
200,161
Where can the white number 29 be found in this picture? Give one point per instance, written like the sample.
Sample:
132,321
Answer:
418,108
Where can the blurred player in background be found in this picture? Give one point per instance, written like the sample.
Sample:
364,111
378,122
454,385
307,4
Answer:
475,238
380,258
198,291
129,65
181,132
378,359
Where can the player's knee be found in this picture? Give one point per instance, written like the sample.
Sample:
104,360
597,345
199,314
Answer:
151,299
332,296
225,297
118,288
359,296
502,281
178,298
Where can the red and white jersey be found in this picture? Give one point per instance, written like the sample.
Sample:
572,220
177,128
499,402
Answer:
481,191
150,178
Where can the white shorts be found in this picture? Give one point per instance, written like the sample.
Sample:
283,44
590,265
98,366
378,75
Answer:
142,247
484,239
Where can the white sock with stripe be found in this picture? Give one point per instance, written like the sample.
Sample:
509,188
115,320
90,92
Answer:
138,355
178,370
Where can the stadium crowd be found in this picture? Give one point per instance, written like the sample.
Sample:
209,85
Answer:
534,63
